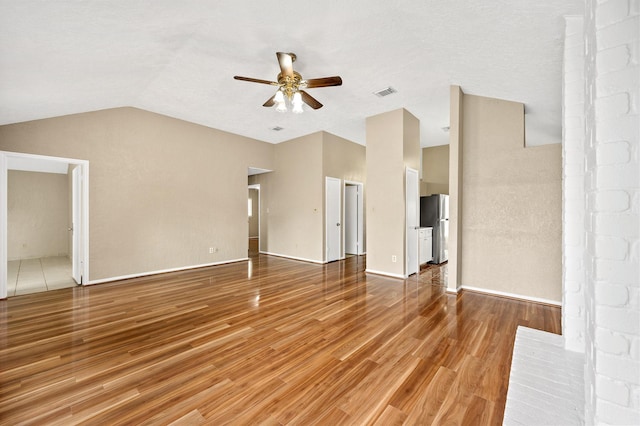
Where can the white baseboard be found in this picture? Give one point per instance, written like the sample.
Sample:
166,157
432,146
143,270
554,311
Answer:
320,262
163,271
511,295
385,274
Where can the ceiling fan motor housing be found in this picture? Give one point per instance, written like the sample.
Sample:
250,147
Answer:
289,85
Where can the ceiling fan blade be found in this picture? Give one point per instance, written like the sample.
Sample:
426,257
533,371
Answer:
271,102
324,82
255,80
310,100
286,63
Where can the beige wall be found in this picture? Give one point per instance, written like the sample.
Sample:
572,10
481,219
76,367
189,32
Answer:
161,190
344,160
293,194
411,141
253,220
292,200
38,212
511,197
393,144
435,170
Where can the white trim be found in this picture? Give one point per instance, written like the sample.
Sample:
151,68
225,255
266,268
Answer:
320,262
511,295
3,226
455,290
84,175
386,274
164,271
43,157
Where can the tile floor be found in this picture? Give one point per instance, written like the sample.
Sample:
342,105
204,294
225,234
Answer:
36,275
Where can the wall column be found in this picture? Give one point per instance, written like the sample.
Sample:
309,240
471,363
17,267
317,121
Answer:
455,190
612,189
393,143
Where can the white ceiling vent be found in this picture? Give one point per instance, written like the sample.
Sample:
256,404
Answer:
385,92
277,128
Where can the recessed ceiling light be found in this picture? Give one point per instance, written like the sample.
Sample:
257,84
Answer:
385,92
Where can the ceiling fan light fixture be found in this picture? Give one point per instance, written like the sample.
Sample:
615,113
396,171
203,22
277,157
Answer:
297,103
279,97
281,107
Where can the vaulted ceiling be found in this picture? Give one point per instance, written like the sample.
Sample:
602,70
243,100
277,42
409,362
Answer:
178,58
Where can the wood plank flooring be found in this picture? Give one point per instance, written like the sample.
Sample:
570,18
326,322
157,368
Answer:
271,341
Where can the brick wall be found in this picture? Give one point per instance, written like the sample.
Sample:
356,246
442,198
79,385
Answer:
612,212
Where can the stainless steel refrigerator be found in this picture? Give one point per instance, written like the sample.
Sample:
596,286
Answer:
434,212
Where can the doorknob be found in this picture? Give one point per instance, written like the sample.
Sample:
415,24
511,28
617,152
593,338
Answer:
338,224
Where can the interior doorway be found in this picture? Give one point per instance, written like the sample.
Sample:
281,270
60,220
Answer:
353,241
55,262
253,213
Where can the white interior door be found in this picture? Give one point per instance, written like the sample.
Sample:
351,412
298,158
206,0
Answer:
412,197
351,219
333,221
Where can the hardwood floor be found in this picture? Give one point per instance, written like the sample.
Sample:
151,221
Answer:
271,341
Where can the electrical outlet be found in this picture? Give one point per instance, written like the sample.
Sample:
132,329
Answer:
394,259
210,249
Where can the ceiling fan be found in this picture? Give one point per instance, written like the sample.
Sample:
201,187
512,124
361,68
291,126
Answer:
291,84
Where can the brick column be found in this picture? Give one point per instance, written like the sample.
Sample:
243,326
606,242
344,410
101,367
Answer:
612,213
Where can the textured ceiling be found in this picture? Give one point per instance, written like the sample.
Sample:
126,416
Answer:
178,58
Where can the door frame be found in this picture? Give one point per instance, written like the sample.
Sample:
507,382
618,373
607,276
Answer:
416,267
327,225
360,231
81,252
256,186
